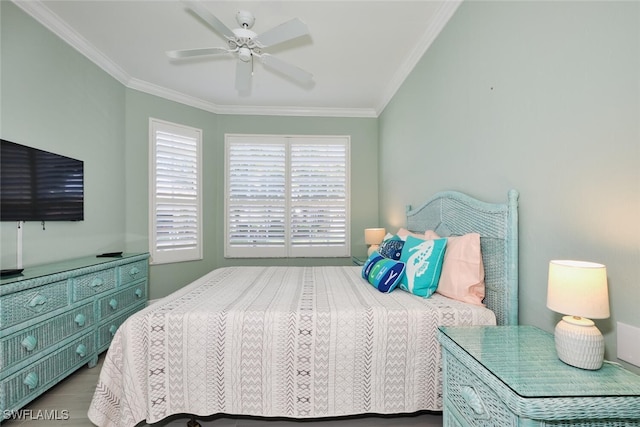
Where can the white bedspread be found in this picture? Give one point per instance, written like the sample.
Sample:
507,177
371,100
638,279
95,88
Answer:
278,341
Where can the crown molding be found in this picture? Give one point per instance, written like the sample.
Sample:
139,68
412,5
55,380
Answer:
440,19
300,111
201,104
173,95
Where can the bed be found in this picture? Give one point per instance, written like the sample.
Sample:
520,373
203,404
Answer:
304,342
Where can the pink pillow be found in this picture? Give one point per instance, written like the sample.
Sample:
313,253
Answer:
403,233
462,276
430,235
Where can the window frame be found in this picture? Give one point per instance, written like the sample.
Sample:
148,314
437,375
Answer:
173,255
287,250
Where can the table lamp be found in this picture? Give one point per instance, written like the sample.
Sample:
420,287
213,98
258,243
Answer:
373,237
578,289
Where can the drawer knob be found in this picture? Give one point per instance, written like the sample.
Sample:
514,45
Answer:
473,400
31,380
96,282
138,292
134,271
29,343
81,350
37,301
80,319
113,329
113,303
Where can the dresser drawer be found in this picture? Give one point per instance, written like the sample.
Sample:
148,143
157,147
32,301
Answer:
33,340
132,272
28,304
36,378
472,399
122,300
448,420
88,285
107,330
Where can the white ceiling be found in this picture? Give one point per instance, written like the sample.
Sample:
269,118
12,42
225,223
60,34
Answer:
359,51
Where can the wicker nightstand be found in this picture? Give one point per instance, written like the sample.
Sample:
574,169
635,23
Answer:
359,260
510,375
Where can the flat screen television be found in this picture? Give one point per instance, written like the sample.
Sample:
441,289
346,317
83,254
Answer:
36,185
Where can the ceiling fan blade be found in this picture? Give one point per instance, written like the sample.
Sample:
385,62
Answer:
287,69
187,53
244,70
289,30
209,18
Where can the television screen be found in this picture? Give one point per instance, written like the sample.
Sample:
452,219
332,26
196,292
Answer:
36,185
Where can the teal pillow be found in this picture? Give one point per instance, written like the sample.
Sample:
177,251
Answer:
383,273
423,260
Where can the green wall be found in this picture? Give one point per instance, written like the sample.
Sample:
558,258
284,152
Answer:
543,97
53,98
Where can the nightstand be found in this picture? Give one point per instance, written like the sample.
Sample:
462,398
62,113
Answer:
511,376
358,260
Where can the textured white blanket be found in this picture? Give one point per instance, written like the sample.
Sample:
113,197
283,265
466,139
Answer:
278,341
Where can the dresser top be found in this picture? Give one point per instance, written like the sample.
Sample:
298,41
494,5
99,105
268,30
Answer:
524,359
60,268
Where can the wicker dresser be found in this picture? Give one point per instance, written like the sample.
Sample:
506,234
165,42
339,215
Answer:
511,376
57,317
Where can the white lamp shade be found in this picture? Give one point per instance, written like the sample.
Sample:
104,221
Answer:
578,288
374,236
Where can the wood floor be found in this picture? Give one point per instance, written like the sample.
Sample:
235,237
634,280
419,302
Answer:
69,402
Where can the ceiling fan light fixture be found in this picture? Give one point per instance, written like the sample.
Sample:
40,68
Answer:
244,54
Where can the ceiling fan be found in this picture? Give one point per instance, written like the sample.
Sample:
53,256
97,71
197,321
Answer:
247,45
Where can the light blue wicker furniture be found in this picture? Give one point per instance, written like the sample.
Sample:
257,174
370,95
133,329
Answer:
451,213
59,316
511,376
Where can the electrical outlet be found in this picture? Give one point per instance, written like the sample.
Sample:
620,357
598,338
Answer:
629,343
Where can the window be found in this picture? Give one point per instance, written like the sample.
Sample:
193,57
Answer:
175,191
286,196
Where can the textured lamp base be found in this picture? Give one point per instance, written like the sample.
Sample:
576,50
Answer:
579,343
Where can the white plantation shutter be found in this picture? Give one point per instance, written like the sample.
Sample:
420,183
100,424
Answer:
318,206
256,196
176,219
286,196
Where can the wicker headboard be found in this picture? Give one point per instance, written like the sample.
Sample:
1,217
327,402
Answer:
452,213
